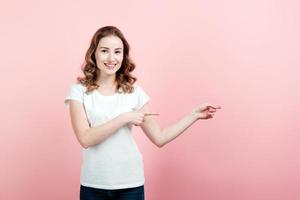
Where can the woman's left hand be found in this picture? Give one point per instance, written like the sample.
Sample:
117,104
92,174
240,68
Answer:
205,111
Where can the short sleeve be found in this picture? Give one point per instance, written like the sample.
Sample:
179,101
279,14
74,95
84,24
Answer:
143,98
75,93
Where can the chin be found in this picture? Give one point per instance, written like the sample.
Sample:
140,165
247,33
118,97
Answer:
111,72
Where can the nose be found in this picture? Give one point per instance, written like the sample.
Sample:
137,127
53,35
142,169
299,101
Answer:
111,57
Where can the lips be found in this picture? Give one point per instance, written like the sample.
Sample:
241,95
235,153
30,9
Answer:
110,66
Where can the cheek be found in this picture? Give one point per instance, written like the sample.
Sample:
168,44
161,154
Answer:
120,58
101,57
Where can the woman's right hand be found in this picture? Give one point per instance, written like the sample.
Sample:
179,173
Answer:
205,111
135,117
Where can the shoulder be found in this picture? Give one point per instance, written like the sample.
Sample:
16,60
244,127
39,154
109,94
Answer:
141,95
139,90
78,87
137,87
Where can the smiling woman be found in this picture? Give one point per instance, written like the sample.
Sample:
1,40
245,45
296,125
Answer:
104,105
108,54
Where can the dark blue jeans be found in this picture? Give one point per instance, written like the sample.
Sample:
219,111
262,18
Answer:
88,193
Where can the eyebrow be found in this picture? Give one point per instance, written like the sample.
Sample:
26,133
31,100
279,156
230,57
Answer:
108,48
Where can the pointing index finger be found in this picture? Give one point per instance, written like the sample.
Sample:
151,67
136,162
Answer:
215,107
149,114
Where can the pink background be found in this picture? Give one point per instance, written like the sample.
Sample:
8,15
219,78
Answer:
242,55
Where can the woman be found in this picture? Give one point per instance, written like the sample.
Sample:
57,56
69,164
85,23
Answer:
104,105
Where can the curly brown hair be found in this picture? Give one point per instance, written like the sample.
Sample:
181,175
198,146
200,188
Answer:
91,72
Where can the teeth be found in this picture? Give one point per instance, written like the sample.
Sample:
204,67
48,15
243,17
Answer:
111,65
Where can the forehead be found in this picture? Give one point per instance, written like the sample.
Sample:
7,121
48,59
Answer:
111,42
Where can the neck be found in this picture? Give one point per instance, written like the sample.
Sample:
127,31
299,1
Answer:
107,81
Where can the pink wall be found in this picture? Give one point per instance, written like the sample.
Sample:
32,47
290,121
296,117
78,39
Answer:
242,55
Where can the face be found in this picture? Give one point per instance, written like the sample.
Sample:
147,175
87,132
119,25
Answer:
109,55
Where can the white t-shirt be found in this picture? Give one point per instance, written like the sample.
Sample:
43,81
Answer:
116,162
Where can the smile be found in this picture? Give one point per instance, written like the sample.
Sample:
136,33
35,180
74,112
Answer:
110,66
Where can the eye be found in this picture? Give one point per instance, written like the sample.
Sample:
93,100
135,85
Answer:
103,50
118,52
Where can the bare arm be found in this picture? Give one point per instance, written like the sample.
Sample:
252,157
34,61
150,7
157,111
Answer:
160,136
90,136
